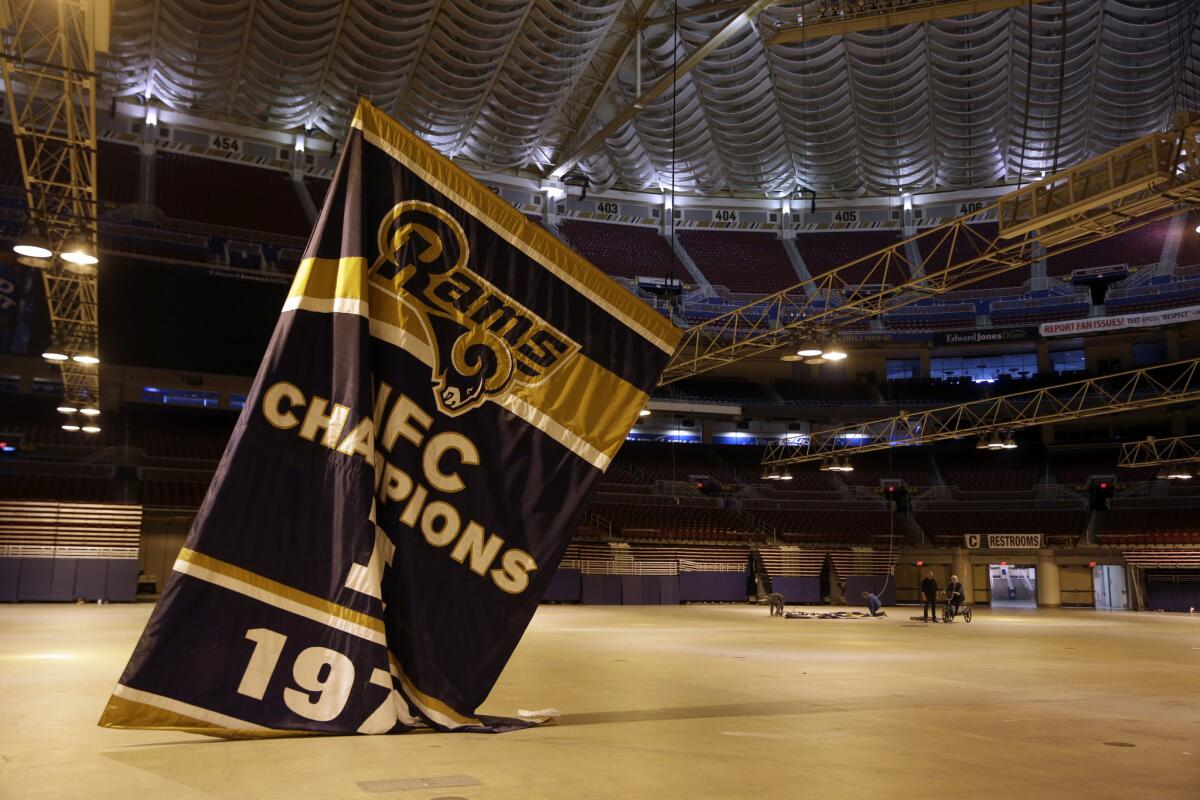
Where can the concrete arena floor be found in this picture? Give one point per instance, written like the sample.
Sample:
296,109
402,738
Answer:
693,701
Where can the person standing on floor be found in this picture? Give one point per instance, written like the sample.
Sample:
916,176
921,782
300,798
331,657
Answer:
929,590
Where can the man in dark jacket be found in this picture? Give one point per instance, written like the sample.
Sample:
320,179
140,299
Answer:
929,590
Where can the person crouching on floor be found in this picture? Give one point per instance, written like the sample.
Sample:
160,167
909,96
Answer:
874,604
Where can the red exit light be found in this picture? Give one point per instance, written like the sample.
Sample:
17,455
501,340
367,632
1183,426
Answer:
920,563
1004,563
891,488
1103,485
1091,563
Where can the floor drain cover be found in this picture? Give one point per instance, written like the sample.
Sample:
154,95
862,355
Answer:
1120,744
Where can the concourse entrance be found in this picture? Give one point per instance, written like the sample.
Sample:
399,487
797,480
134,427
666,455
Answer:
1109,586
1012,585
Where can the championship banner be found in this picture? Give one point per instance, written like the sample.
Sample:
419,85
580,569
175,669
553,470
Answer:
445,387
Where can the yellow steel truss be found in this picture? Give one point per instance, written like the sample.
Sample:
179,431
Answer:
1153,452
1153,177
1148,387
49,70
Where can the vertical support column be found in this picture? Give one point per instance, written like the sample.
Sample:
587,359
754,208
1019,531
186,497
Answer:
1037,269
925,368
1049,590
706,430
1043,358
962,568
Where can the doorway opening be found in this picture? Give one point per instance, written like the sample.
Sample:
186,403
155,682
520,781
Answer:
1013,586
1109,587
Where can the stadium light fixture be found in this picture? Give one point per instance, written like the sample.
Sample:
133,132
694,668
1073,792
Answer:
826,466
54,353
70,426
89,411
79,252
85,358
996,443
982,444
33,245
645,412
846,465
832,352
1179,473
66,409
1010,443
785,475
91,428
809,351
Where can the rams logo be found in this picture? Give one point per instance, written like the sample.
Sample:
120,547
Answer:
484,341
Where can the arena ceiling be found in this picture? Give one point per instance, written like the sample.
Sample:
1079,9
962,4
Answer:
517,85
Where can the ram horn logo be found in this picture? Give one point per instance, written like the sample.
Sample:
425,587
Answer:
483,341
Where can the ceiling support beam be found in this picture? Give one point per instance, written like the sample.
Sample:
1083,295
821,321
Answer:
839,17
1148,387
750,10
1151,178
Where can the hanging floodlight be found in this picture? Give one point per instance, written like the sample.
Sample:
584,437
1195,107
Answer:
790,357
982,444
808,351
33,245
645,412
1162,474
826,466
766,475
785,475
846,465
70,426
85,358
91,428
79,252
832,352
66,409
55,352
1010,443
1179,473
89,411
996,443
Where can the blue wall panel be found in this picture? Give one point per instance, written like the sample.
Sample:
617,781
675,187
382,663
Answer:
798,589
592,589
631,590
121,586
612,589
10,573
91,578
857,584
62,580
36,577
565,587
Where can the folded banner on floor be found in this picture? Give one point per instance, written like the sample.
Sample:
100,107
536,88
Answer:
445,386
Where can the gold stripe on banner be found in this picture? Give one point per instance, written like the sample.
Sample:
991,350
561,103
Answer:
432,707
511,225
564,406
281,596
133,708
